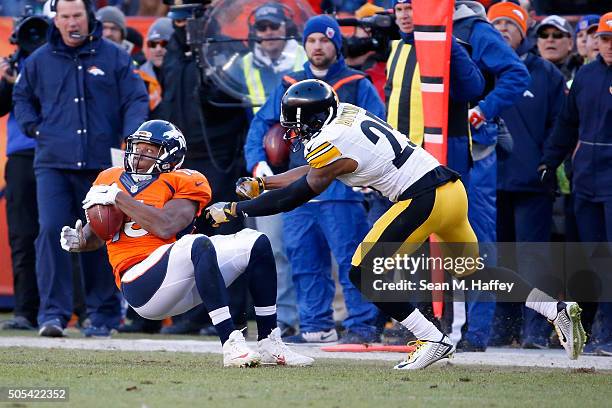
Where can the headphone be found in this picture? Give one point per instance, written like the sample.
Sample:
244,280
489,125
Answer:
288,18
89,9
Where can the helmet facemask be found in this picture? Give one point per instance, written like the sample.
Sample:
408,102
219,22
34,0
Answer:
303,124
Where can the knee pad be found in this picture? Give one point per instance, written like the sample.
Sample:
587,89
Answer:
262,248
202,248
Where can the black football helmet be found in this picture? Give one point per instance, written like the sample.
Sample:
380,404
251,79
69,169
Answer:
306,107
173,147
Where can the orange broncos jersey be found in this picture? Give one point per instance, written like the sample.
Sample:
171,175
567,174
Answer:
132,244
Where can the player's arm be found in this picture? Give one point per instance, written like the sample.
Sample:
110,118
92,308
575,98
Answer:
283,199
163,222
284,179
251,187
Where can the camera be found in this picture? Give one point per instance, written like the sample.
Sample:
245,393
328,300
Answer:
30,32
194,11
382,28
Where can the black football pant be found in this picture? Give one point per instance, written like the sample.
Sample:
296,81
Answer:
22,219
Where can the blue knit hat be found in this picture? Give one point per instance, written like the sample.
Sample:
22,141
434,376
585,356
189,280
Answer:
396,2
326,25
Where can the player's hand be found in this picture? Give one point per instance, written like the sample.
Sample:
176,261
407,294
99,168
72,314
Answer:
73,239
249,187
101,194
548,179
220,213
262,169
476,117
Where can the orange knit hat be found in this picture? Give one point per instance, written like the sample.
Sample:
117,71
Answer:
509,11
605,25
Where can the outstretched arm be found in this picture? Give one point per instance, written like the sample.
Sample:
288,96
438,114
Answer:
283,199
284,179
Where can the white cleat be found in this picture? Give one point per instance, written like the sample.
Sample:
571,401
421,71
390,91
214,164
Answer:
274,352
426,353
236,353
569,328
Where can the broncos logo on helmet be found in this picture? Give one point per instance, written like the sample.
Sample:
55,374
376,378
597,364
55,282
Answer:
171,142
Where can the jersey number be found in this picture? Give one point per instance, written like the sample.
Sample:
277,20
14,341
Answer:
383,127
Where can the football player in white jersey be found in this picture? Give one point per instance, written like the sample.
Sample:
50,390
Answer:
346,142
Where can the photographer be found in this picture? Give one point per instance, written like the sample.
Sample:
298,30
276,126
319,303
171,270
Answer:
215,136
22,214
367,49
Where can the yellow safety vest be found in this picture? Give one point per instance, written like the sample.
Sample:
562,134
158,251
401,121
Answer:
252,76
403,92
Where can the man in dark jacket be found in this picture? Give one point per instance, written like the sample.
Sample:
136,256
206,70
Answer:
215,136
20,193
78,96
584,127
524,207
506,78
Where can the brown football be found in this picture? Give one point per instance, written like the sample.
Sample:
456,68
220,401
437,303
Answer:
104,220
277,148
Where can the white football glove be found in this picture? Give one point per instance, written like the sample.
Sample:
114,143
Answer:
262,169
72,239
101,194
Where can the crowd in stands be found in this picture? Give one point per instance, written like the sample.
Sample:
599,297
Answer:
529,131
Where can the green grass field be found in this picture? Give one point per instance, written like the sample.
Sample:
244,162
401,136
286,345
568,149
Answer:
163,379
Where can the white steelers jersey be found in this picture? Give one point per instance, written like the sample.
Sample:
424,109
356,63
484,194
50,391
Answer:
387,160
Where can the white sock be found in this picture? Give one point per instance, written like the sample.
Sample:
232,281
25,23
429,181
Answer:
422,328
542,303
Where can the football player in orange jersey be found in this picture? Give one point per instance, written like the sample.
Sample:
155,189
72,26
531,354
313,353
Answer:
164,270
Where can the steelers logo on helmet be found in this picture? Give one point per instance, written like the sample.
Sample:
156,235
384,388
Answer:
306,107
172,148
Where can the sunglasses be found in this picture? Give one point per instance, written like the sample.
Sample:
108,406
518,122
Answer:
557,35
264,25
153,44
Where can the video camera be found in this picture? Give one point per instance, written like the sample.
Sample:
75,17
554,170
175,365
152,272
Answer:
382,28
195,12
30,32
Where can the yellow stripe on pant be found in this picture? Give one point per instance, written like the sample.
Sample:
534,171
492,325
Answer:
442,212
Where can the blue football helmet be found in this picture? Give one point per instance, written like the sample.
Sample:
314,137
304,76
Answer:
164,134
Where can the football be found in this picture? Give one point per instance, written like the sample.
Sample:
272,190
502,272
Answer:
104,220
277,148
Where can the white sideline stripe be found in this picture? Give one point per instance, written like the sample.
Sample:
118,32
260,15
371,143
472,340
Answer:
434,138
432,87
492,357
265,310
427,36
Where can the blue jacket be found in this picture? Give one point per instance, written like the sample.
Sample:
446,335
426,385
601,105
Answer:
16,141
530,122
269,114
78,102
494,57
585,126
